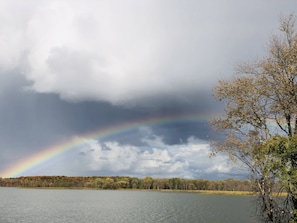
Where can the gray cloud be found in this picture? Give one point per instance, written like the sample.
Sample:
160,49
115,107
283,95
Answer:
130,52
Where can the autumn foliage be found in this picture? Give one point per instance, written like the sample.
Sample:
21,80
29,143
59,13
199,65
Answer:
123,182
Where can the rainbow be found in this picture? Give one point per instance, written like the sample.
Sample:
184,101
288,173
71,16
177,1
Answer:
54,150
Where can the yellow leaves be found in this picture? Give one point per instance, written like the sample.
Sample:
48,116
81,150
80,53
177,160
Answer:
265,89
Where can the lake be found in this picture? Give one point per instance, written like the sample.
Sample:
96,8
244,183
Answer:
50,205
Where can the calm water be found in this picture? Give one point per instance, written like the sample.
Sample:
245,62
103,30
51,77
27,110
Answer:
34,205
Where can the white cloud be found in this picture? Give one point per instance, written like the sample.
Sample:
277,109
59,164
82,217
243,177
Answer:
126,51
188,160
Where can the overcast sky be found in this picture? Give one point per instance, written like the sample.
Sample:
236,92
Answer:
70,67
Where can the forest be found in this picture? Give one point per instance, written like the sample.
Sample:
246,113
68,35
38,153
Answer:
125,182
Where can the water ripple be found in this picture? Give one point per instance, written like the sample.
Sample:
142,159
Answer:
63,206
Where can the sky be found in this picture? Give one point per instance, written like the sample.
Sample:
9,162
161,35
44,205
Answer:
140,71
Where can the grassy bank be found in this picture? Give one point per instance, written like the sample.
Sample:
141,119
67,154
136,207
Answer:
214,192
222,192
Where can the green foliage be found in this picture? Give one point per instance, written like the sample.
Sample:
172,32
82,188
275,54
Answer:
284,150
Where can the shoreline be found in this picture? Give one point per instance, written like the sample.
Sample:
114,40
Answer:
209,192
215,192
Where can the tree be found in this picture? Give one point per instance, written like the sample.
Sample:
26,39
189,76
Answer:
261,103
147,182
134,182
284,166
108,183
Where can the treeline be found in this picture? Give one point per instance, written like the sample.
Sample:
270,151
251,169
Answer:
122,182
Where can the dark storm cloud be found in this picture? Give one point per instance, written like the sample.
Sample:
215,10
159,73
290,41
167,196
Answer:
27,117
31,119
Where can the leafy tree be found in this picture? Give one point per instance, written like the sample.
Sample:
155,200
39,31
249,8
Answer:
147,182
98,182
261,102
134,182
122,184
108,183
284,166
